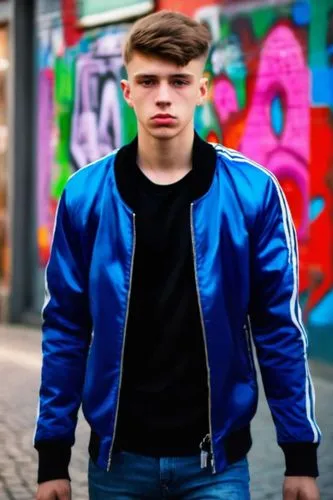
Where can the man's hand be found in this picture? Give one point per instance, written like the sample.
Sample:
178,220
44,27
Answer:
60,489
300,488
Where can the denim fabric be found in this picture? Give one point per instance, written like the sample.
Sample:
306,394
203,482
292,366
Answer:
139,477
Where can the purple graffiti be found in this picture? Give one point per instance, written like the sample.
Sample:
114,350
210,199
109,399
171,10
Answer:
45,152
96,124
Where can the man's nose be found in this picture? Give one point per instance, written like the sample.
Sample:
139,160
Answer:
163,94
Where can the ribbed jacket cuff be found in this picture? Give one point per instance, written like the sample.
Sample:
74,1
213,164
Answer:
301,459
53,462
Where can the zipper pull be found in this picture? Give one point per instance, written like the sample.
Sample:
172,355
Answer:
205,451
203,459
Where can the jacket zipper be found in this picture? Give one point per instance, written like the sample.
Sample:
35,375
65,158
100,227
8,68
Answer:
248,334
124,340
209,438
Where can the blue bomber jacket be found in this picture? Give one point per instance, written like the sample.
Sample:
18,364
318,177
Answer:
246,270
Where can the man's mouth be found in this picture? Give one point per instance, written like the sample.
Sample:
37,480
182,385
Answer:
163,119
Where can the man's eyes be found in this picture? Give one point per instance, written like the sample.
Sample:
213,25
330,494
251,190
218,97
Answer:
180,83
147,83
175,83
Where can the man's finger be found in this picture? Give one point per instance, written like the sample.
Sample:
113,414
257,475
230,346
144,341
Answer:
290,494
65,495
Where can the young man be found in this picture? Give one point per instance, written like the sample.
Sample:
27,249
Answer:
167,255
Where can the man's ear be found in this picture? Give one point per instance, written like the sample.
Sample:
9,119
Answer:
203,91
125,87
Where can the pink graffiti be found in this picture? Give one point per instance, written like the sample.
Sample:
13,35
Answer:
225,99
282,72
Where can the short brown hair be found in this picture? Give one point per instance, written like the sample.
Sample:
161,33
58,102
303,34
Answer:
168,35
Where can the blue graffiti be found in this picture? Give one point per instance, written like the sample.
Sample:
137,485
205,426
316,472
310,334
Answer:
322,314
317,205
277,115
301,12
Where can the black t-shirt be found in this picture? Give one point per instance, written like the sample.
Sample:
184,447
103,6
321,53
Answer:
164,397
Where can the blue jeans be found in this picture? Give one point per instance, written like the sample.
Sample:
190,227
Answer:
135,476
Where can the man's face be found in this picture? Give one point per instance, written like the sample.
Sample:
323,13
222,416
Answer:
163,95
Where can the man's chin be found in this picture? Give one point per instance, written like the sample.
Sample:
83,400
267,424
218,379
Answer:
164,133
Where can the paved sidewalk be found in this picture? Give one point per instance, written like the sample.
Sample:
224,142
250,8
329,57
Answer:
19,381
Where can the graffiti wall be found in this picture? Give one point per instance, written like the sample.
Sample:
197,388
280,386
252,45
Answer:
50,49
272,99
271,76
82,115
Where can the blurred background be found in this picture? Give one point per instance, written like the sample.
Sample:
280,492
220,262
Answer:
271,97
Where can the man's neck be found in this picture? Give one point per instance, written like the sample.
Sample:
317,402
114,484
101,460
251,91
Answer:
165,161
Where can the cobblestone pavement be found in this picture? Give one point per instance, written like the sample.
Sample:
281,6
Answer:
19,380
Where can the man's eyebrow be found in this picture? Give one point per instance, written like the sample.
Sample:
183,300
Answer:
144,75
172,75
182,75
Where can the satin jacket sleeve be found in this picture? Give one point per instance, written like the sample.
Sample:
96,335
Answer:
279,334
66,335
